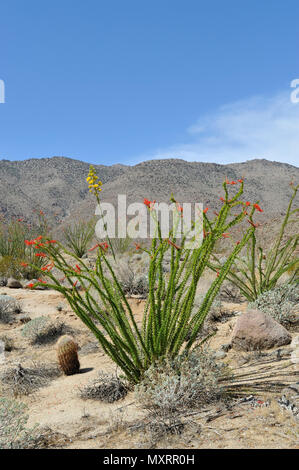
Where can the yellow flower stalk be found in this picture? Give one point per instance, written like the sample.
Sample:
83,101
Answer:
94,184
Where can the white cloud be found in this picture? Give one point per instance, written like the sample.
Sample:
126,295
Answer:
258,127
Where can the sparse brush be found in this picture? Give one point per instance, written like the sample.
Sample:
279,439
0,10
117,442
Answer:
79,235
42,330
106,388
18,380
281,303
13,420
121,245
185,382
14,434
8,307
132,283
260,271
8,342
67,354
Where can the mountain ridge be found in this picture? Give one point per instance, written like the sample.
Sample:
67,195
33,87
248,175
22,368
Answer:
57,185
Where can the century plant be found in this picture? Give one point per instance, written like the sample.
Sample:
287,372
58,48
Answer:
170,326
259,271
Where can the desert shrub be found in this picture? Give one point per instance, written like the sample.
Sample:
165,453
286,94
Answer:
8,342
132,282
260,271
18,380
168,314
79,235
42,330
13,420
184,382
230,293
8,306
120,245
281,303
106,388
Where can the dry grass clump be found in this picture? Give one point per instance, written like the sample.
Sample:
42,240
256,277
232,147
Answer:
43,330
182,383
8,342
230,293
106,388
132,281
8,307
18,380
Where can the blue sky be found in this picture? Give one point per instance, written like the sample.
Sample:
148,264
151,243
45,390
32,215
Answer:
124,81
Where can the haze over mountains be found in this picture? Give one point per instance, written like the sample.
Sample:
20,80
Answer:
58,186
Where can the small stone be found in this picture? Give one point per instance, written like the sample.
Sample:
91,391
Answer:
226,347
220,354
14,283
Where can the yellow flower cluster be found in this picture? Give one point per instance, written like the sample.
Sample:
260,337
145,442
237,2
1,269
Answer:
94,185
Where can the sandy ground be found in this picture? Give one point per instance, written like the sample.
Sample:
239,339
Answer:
93,424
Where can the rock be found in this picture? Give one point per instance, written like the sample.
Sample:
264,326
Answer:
14,283
255,330
219,355
34,281
226,347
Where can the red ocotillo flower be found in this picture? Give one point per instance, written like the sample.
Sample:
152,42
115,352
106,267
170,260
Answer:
257,207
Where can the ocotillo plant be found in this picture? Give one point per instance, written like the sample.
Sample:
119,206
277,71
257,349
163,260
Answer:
79,235
169,325
16,252
259,271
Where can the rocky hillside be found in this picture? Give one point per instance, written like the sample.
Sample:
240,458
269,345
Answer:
57,185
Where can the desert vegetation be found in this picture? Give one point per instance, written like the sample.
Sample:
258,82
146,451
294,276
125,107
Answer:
158,323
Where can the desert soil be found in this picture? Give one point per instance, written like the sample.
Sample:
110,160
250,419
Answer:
83,424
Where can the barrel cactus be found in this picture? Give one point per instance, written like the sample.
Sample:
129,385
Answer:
67,353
